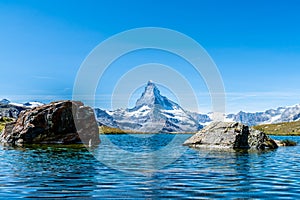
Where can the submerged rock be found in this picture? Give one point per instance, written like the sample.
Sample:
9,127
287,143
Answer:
61,122
231,135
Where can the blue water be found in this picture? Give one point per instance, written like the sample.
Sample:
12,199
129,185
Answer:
72,171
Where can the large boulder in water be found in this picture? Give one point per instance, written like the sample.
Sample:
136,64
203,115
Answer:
230,135
61,122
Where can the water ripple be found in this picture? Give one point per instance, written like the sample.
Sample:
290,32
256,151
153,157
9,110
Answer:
72,172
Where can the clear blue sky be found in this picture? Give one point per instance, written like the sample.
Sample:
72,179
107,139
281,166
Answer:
255,44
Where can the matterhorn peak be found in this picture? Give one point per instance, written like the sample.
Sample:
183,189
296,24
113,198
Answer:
152,113
151,97
150,85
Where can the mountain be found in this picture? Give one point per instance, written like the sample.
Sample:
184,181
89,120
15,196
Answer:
32,104
151,113
271,116
156,113
103,118
12,110
4,101
8,110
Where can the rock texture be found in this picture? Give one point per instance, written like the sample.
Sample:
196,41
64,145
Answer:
62,122
231,135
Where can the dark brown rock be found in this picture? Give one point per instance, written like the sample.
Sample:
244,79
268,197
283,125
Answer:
230,135
61,122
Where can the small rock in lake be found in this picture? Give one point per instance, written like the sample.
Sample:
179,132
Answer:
231,135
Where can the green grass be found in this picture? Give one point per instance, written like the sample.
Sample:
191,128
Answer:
285,128
110,130
3,121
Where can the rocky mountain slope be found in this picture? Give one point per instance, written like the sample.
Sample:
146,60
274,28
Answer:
151,113
12,110
156,113
271,116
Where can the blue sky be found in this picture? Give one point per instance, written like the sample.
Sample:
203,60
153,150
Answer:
255,44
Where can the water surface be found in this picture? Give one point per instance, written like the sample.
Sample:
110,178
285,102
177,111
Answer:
72,171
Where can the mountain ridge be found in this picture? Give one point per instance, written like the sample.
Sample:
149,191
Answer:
162,112
151,113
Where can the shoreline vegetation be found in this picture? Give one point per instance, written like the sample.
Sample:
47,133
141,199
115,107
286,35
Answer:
3,121
110,130
280,129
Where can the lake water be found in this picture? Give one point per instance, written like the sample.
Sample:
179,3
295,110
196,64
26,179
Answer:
148,171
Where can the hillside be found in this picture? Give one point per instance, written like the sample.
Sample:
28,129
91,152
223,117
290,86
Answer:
285,128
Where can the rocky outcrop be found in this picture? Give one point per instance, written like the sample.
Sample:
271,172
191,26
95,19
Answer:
230,135
61,122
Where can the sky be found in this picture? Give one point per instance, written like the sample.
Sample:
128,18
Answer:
254,44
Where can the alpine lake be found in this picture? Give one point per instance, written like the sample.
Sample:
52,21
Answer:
139,166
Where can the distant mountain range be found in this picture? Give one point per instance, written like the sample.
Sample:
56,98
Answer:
271,116
281,114
156,113
12,110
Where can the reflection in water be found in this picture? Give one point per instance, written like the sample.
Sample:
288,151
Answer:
72,171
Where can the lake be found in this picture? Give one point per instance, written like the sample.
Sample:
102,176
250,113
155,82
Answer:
148,167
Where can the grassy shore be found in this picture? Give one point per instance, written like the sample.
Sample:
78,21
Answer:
109,130
3,121
285,128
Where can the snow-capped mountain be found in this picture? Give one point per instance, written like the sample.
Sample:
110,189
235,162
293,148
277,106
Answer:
10,109
4,101
156,113
152,113
271,116
281,114
31,104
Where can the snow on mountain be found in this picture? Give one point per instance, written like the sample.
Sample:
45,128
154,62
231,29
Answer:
8,110
11,109
31,104
104,118
271,116
4,101
152,113
156,113
281,114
